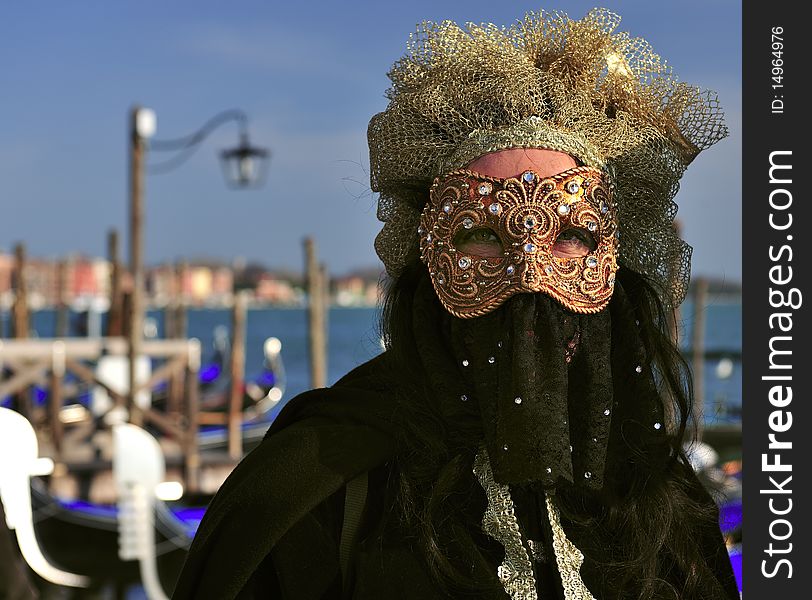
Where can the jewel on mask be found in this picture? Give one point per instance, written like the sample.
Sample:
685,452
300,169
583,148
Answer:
657,425
464,398
529,222
517,400
485,189
591,262
611,281
464,262
440,280
510,269
498,344
563,209
428,238
529,247
447,207
495,208
491,359
588,475
465,362
548,269
638,369
606,412
595,440
570,448
573,187
604,208
468,222
529,176
420,230
505,447
592,225
549,470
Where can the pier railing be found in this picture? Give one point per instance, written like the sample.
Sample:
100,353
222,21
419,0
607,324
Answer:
26,362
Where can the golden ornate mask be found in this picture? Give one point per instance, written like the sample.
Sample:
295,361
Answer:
526,219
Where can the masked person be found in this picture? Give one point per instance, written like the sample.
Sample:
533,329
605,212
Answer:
521,436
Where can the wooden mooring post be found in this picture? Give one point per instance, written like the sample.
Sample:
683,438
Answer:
115,316
237,368
175,328
316,315
20,323
700,299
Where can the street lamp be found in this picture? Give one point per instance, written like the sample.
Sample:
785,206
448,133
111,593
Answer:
244,166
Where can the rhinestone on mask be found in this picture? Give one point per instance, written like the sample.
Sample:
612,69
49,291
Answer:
591,262
638,369
604,208
588,475
529,176
484,189
510,269
465,362
592,225
464,398
505,447
468,222
495,208
491,359
517,400
440,279
447,207
606,412
529,247
464,262
529,222
657,425
548,269
549,470
573,187
563,209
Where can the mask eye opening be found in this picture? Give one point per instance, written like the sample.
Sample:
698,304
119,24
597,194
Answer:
478,241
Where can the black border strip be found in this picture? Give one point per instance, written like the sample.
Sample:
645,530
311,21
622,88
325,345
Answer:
775,325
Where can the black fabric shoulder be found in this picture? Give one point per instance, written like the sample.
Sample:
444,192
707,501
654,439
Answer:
321,440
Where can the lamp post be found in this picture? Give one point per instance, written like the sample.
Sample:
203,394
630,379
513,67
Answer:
244,166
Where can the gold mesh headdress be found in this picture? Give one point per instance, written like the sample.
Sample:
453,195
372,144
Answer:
546,82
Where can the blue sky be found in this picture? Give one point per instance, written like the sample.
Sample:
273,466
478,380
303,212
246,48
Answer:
310,75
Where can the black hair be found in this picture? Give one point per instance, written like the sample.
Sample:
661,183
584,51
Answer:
646,522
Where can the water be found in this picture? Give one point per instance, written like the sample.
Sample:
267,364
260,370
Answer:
353,339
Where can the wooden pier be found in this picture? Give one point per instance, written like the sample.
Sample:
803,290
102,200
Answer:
79,441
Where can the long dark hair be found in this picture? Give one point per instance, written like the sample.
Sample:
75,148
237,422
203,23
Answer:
649,519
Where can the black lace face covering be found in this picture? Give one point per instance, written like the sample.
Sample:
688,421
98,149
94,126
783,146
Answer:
548,390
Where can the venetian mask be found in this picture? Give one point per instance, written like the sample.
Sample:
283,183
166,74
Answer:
485,239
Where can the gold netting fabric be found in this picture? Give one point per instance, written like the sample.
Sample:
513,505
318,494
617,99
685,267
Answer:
547,81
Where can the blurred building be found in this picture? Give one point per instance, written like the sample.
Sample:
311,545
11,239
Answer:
272,290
